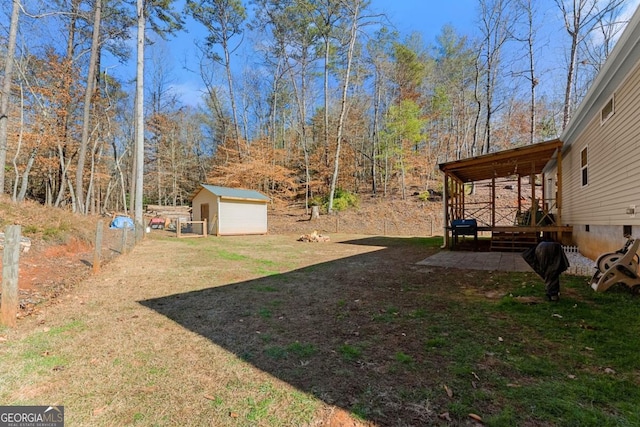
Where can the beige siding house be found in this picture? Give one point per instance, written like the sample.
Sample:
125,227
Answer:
230,211
601,154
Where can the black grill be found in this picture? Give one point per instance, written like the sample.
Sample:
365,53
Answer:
465,227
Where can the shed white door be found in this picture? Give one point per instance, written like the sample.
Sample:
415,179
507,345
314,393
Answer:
242,217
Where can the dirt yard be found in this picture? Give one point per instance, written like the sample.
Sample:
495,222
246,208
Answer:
253,330
49,269
279,316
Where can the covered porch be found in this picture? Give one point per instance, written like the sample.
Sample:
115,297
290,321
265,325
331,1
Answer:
535,212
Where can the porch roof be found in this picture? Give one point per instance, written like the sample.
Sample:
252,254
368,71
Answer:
523,161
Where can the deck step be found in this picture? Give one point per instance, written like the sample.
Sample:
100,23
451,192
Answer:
513,241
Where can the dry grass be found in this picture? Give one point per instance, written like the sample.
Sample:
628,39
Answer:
268,331
111,360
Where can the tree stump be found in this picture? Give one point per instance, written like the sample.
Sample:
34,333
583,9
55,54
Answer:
315,212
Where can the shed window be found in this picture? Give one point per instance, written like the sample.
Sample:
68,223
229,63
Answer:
584,163
607,111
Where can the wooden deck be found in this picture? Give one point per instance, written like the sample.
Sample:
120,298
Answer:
517,238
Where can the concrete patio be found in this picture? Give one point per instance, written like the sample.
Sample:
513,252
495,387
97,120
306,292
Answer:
490,261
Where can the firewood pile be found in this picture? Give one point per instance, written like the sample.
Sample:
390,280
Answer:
313,237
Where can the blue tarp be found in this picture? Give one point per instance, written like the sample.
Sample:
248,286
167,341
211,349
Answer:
122,222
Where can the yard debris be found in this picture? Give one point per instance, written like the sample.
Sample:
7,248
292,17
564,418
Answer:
609,371
98,411
475,417
448,390
445,416
313,237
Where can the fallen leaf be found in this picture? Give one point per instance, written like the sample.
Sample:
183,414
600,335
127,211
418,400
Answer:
589,348
448,390
571,377
476,417
234,414
445,416
609,371
98,411
474,384
209,397
559,316
500,339
513,385
475,376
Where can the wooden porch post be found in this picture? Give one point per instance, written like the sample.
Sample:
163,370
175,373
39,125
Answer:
519,195
532,181
445,198
493,200
559,193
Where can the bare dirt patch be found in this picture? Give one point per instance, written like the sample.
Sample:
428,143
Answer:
261,330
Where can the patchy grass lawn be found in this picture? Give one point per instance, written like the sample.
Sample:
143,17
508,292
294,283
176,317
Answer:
268,331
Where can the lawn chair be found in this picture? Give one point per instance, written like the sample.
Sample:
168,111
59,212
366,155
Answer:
618,267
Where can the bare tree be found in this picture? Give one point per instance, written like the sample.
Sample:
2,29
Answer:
529,38
86,116
495,26
353,9
580,18
223,19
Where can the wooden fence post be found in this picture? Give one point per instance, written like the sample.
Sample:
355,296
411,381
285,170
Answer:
97,253
123,249
139,232
10,259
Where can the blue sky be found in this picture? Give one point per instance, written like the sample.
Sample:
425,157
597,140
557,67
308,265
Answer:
428,16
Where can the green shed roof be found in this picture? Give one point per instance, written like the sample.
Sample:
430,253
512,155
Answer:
236,193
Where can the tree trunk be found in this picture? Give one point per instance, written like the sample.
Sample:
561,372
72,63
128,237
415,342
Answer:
343,103
14,196
236,127
24,184
6,88
139,112
86,116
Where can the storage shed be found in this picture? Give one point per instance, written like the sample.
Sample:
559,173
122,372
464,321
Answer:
230,211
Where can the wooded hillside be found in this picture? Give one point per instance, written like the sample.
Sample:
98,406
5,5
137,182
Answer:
335,100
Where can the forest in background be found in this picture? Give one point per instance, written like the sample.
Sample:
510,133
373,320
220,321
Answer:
337,101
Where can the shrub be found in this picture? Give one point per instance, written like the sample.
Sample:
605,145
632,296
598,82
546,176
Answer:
342,200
